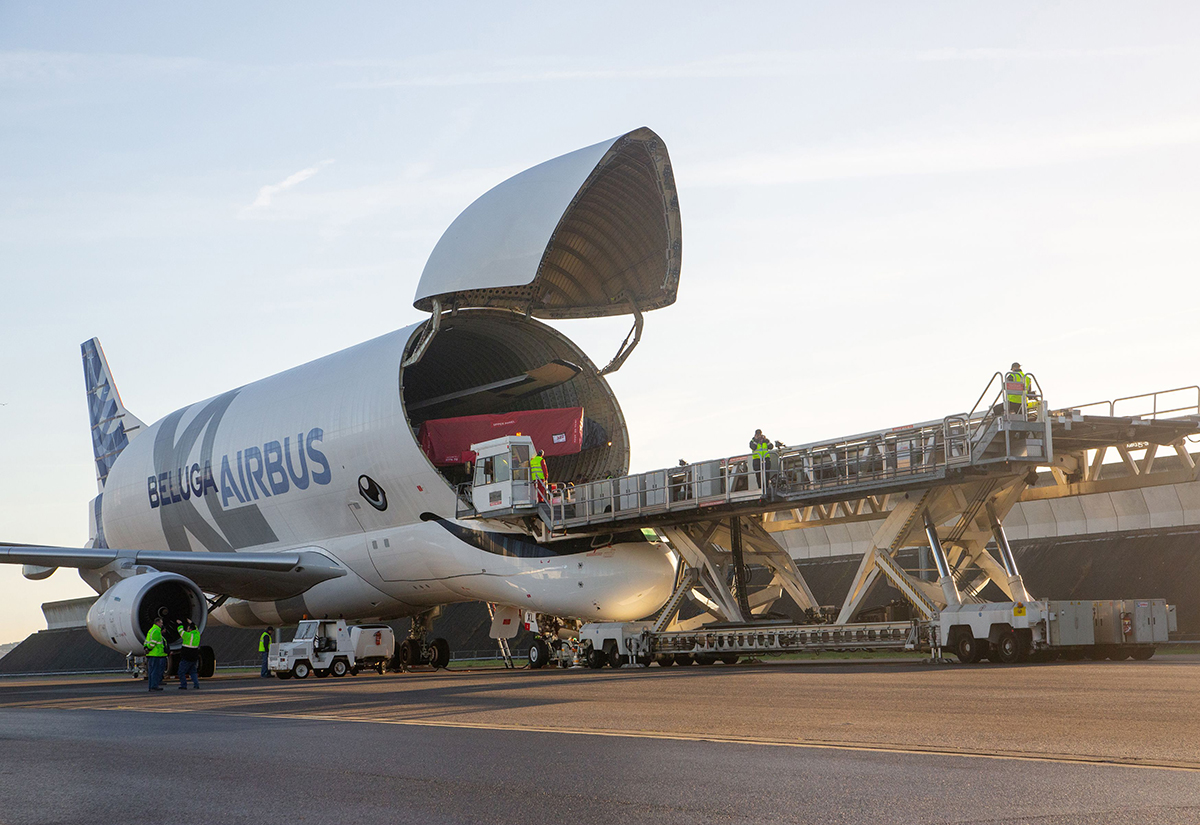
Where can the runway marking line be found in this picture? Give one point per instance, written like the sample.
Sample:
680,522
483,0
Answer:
691,737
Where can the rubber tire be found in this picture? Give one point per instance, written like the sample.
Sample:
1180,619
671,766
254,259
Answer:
439,654
379,668
1119,653
1096,653
705,658
354,670
208,662
665,659
684,659
730,659
1007,648
281,674
596,659
1141,654
644,661
968,649
301,670
320,672
410,653
539,654
616,659
338,668
1072,655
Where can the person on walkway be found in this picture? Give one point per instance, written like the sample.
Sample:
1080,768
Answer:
156,654
537,466
760,448
189,654
1017,387
264,647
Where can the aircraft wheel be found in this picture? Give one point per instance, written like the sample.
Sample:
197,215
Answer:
1141,654
967,649
539,654
1007,648
301,670
596,659
439,653
339,668
410,653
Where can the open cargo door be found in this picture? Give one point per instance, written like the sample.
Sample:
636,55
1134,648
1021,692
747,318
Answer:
591,233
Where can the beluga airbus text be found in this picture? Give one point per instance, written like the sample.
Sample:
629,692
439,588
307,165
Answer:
330,490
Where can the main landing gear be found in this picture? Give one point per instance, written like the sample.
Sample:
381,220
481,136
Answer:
418,649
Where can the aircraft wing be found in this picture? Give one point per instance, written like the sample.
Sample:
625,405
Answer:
251,576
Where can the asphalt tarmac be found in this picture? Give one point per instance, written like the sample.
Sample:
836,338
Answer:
1086,742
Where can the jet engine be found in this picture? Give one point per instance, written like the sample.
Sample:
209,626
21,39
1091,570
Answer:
121,616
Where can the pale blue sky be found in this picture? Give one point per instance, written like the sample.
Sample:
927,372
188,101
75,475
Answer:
873,195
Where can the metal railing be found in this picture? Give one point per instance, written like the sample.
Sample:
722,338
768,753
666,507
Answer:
1186,401
879,458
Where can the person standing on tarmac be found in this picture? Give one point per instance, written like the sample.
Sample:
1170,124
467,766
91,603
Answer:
264,647
156,654
189,654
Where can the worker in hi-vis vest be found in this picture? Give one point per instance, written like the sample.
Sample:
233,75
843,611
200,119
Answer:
760,449
264,647
156,654
189,654
1017,388
537,466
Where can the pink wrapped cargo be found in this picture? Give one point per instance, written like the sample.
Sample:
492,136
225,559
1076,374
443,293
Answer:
447,441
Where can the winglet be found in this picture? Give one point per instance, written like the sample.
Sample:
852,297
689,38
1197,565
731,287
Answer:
112,424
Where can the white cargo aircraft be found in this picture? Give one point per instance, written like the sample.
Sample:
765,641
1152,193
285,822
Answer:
307,494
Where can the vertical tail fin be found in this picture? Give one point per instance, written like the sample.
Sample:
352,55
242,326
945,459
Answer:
112,424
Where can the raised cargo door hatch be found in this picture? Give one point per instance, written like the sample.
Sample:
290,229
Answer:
591,233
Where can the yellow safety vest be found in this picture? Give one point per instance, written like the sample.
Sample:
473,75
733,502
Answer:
190,638
537,468
762,449
1017,385
154,642
264,642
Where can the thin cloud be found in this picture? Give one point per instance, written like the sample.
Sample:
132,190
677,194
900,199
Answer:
268,192
951,155
763,64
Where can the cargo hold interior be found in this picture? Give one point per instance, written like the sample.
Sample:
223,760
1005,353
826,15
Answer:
487,362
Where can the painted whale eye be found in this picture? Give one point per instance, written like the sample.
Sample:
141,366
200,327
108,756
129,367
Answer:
372,492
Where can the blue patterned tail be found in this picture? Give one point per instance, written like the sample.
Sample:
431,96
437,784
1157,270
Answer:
112,424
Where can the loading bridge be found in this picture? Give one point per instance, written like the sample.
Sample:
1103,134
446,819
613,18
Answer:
946,484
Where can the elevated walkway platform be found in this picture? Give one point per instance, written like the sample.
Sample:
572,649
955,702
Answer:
945,485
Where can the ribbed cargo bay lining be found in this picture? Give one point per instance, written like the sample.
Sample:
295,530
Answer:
618,242
478,347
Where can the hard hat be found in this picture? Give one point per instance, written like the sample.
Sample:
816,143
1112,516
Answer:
1015,366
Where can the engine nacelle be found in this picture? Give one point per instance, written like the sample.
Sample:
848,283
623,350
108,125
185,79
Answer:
121,616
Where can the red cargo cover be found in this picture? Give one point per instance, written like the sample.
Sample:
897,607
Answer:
448,441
